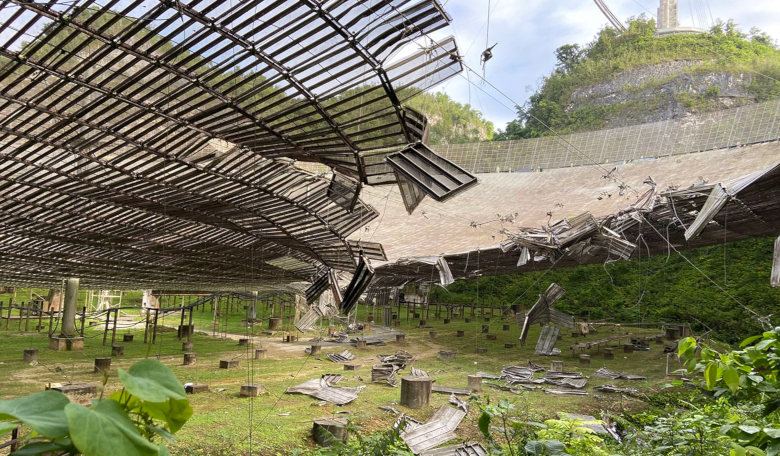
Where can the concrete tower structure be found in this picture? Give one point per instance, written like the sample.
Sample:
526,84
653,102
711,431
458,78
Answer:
668,15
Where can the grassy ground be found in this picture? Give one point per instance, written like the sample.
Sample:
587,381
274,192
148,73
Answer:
221,424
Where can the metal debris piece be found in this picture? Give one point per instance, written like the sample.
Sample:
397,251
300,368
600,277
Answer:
545,346
407,423
572,392
401,358
343,357
429,173
389,408
323,389
586,421
460,403
488,376
439,429
450,390
360,281
541,311
535,367
466,449
559,375
384,373
415,372
606,373
615,389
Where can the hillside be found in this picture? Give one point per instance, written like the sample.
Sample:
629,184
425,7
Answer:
637,77
451,122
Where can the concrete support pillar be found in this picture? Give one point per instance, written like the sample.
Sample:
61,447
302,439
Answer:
251,310
69,308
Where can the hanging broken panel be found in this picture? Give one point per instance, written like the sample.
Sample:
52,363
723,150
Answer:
434,175
775,280
317,288
547,339
411,194
372,250
344,191
360,281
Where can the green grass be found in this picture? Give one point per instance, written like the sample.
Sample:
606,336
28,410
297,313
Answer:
221,423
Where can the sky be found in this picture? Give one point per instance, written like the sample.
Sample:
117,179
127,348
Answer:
529,31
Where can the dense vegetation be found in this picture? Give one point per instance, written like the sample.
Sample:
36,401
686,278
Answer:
451,122
724,49
658,288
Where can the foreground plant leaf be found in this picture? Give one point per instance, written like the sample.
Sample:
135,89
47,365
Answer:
43,412
106,430
151,381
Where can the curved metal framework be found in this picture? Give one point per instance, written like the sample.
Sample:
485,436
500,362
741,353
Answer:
152,144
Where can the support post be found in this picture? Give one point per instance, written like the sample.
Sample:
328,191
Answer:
69,308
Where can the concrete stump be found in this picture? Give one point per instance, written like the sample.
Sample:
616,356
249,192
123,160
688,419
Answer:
447,354
329,431
506,328
672,333
416,316
492,337
432,334
487,319
423,322
361,345
31,355
66,343
102,364
260,353
127,338
315,349
397,323
475,383
446,321
190,359
250,390
556,366
351,366
186,346
416,392
609,353
196,388
480,350
585,360
510,345
400,339
366,326
461,333
575,334
628,348
560,336
274,324
243,342
370,318
485,329
117,350
228,363
659,340
468,320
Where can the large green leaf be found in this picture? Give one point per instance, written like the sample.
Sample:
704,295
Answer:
731,378
7,426
106,430
173,412
41,411
711,374
484,425
152,381
685,344
39,448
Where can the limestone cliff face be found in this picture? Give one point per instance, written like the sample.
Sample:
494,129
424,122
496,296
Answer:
664,91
